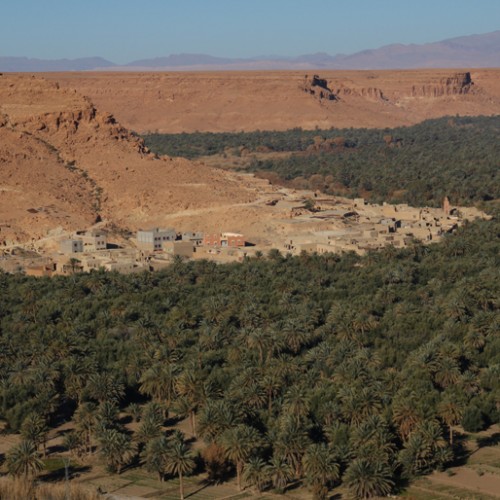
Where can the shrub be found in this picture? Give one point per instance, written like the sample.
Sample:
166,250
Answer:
473,419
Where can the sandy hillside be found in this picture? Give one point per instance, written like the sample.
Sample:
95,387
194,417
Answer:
274,100
63,162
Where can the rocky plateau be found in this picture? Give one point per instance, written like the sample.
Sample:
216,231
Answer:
278,100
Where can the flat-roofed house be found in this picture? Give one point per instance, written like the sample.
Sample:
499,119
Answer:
232,240
196,238
181,248
212,240
94,241
71,246
153,239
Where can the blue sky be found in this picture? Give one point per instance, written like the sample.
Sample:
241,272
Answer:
124,30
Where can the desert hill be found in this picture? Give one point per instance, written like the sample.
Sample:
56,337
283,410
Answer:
236,101
63,163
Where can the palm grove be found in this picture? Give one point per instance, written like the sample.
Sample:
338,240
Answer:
320,369
419,165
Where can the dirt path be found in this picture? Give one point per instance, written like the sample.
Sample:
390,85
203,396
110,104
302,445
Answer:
220,208
469,479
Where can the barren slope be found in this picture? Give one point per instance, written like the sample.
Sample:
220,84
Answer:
234,101
69,162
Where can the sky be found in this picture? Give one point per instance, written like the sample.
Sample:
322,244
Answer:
126,30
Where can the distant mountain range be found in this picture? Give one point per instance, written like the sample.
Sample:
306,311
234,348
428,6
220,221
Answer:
473,51
21,64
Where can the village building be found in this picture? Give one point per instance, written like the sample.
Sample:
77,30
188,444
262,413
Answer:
180,248
71,266
94,241
124,267
40,270
232,240
153,239
71,246
196,238
212,240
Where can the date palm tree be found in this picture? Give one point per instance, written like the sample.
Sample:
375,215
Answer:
368,478
73,442
296,402
179,460
425,450
292,442
86,422
239,443
320,469
216,418
451,413
254,473
405,415
154,455
103,387
149,429
34,429
116,449
158,382
192,391
280,472
23,459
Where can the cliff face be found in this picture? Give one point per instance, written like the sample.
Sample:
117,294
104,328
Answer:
371,93
235,101
64,163
453,85
457,84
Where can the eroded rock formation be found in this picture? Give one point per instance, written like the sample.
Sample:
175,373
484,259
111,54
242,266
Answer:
318,87
457,84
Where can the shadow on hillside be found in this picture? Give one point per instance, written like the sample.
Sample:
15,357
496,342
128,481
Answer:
59,474
54,449
460,451
489,440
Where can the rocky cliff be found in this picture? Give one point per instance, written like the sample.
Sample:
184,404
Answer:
457,84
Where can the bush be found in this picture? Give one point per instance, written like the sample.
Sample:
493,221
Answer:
473,419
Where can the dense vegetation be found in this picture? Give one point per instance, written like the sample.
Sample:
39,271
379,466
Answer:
419,165
322,368
196,144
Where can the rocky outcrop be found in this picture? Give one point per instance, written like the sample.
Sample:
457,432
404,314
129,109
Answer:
457,84
318,87
372,93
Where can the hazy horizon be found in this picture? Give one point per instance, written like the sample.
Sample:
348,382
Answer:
121,31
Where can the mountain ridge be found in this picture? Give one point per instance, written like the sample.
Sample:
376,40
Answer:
474,51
